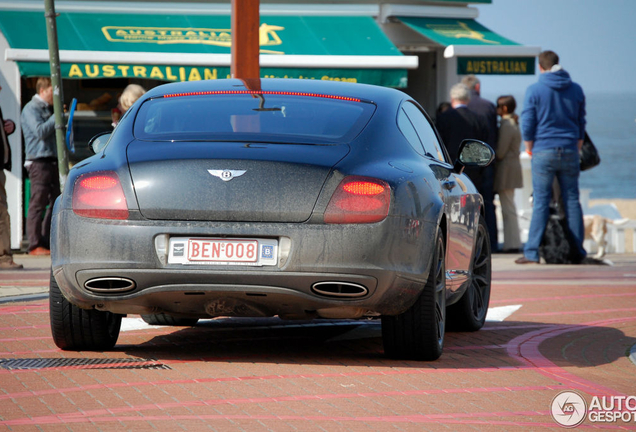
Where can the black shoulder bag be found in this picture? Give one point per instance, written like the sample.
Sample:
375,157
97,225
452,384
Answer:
589,155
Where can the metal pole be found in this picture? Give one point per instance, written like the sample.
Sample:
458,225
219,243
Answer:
56,81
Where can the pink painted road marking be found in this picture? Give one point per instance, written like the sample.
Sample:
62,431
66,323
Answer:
581,312
460,418
508,326
553,298
475,347
251,378
23,339
12,308
525,348
25,312
552,277
148,332
19,353
39,326
25,283
278,399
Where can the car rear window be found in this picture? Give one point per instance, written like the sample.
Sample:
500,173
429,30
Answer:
256,117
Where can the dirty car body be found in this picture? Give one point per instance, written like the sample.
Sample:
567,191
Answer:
292,198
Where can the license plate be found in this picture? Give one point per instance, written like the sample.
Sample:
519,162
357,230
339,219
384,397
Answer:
223,251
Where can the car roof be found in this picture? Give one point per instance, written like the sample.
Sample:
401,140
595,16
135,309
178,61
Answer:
376,94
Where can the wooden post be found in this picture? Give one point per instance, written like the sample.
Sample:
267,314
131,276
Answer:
245,40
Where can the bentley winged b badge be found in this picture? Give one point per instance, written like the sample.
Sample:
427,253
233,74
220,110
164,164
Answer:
227,175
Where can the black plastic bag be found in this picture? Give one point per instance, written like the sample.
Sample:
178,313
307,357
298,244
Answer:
558,245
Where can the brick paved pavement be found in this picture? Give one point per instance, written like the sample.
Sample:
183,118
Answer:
573,331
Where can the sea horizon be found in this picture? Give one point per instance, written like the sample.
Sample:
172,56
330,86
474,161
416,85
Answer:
611,124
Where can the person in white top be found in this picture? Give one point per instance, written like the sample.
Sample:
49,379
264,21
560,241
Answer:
508,175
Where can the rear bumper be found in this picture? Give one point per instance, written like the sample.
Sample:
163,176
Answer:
389,259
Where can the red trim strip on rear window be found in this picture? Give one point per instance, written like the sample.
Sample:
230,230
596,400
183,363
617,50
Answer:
261,92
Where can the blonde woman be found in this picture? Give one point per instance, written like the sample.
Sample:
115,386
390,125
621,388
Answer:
131,93
508,176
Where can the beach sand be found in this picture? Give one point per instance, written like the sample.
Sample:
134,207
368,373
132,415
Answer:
627,209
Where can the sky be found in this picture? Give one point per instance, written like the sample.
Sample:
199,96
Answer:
595,40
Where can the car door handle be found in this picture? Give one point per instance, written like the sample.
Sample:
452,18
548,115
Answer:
449,184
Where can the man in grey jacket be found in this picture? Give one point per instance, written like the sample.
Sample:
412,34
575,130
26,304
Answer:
38,128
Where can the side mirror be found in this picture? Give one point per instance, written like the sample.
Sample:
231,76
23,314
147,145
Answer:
98,142
474,153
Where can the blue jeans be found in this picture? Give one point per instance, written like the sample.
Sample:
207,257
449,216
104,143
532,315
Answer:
562,163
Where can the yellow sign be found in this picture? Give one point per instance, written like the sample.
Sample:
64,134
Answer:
164,73
461,30
184,73
267,35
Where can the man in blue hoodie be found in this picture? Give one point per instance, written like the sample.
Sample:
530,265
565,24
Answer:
553,128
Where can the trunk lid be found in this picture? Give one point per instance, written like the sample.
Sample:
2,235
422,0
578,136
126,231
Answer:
215,181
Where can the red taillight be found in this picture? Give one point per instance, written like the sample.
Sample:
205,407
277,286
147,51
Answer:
359,200
363,188
100,195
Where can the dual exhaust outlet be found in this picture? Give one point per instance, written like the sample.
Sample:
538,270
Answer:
116,285
339,289
110,285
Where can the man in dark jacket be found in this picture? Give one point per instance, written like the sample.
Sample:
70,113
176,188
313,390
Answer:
482,107
7,127
488,112
553,128
459,123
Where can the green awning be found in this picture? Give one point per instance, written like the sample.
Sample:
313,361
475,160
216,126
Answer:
447,31
190,47
478,49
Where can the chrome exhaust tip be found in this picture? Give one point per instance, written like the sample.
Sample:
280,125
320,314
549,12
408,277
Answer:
110,285
339,289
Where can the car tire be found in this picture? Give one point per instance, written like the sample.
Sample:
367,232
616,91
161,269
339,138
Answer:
418,333
469,313
168,320
76,329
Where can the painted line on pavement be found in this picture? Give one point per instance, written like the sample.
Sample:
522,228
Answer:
580,312
159,383
91,415
23,297
525,349
573,283
500,313
32,326
132,324
552,298
462,418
